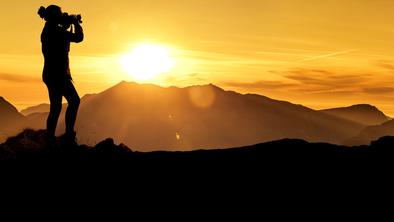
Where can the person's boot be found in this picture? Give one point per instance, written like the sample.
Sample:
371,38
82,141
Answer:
69,140
50,143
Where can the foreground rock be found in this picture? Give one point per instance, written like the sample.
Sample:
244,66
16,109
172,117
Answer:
30,146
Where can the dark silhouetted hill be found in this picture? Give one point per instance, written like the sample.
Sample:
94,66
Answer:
31,144
371,133
287,156
363,114
288,170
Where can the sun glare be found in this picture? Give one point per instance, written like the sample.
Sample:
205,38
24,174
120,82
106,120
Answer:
146,61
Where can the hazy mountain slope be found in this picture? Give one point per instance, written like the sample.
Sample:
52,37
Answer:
8,113
10,119
42,108
364,114
38,120
35,116
148,117
372,133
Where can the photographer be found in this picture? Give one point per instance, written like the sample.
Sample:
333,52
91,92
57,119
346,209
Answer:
56,39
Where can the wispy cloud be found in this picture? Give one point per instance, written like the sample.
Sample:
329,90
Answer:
242,58
388,65
326,79
333,54
18,78
312,81
379,90
260,85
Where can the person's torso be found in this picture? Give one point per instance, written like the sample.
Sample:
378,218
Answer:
55,48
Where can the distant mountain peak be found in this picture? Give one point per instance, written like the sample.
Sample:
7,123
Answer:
124,83
6,106
364,106
41,108
210,85
215,87
8,113
362,113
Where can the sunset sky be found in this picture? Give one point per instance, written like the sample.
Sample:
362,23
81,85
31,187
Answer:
317,53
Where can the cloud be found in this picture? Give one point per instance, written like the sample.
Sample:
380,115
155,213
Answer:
386,65
331,93
235,58
333,54
18,78
327,82
316,81
324,79
321,82
260,85
379,90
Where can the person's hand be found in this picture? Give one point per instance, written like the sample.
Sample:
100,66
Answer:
77,19
76,23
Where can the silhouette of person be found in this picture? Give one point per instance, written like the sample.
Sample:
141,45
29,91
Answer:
56,39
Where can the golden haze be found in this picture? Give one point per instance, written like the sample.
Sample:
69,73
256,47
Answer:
318,53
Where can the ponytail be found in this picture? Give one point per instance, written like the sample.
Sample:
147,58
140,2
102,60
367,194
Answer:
42,12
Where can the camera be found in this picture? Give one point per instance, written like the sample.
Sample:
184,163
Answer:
68,20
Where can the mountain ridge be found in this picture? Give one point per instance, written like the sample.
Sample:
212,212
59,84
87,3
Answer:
186,110
151,117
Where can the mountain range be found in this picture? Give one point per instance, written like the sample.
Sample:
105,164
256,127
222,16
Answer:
148,117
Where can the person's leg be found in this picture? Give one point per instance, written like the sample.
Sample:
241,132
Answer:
73,100
55,97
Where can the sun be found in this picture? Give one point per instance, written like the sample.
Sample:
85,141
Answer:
147,61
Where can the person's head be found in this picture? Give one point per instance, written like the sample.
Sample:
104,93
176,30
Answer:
52,13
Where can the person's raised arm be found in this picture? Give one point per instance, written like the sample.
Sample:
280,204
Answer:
77,35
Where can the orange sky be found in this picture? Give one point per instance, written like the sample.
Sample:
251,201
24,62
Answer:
317,53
